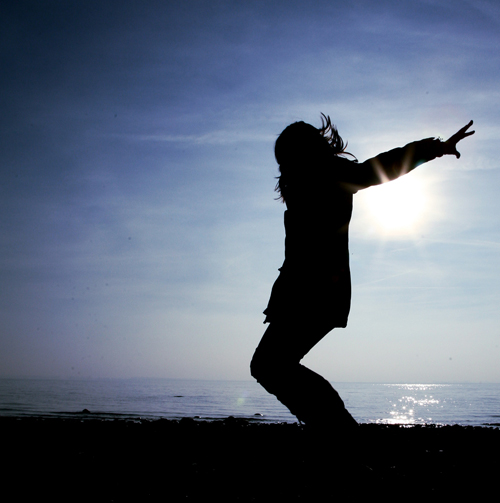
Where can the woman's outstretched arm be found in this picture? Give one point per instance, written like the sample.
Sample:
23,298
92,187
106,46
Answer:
399,161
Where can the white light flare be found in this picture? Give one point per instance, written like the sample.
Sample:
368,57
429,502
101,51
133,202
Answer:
399,207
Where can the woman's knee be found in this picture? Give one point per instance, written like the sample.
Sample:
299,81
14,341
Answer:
258,366
264,369
274,356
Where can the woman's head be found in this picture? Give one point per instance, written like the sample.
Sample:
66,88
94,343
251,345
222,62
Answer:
301,144
298,143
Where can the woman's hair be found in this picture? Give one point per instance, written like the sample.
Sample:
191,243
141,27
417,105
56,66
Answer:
300,144
331,134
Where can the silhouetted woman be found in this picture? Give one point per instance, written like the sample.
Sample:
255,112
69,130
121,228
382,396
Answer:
312,294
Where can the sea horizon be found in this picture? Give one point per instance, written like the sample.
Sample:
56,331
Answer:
209,399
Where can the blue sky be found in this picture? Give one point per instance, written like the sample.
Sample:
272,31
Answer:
140,235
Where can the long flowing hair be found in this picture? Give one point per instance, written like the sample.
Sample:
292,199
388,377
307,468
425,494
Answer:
330,132
299,142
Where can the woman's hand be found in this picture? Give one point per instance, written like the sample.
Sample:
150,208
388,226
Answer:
450,145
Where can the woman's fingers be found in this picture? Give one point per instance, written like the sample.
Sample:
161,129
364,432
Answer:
459,135
462,133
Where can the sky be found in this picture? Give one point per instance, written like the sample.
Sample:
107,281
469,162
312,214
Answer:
140,235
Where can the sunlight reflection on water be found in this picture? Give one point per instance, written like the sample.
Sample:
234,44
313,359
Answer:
417,405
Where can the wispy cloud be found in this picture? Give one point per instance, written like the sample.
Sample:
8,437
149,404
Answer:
221,137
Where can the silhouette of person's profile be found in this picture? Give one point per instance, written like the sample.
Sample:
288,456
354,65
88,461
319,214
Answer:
312,294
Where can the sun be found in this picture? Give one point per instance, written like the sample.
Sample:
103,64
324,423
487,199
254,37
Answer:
397,207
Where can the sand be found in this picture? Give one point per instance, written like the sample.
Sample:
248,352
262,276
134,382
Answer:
235,460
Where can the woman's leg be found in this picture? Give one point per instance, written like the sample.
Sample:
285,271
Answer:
276,367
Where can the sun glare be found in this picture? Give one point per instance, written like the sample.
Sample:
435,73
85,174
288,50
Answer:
397,207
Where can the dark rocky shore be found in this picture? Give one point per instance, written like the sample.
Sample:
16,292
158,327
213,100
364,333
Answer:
235,460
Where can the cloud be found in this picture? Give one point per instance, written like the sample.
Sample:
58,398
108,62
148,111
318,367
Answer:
221,137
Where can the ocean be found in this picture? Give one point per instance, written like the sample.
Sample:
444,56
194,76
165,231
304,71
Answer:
440,404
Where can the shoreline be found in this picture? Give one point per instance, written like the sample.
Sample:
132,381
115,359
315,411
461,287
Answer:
79,459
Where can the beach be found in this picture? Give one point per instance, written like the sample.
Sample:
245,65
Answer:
84,459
